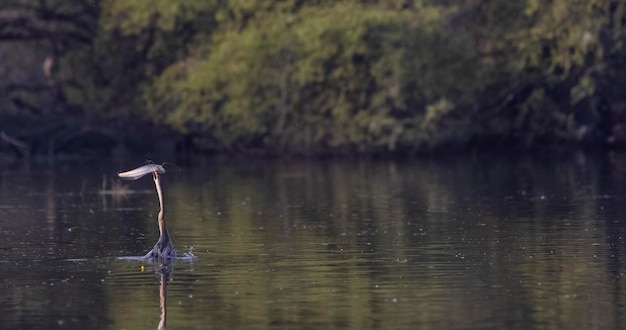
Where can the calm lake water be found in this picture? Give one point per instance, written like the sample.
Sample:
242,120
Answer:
467,243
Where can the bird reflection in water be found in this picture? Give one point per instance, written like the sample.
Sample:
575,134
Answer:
163,271
165,277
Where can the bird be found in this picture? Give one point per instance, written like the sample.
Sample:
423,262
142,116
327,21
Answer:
163,250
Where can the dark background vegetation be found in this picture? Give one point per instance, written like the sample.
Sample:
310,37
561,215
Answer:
310,77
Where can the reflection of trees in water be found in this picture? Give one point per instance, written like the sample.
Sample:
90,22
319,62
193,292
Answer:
347,225
608,175
112,189
39,231
504,240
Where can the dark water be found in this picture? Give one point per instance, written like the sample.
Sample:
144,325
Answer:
469,243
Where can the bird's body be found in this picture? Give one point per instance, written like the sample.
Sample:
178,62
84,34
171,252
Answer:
163,250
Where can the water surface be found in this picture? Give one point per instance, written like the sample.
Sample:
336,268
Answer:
466,243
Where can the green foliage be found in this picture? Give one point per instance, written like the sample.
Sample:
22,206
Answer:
351,75
341,76
377,77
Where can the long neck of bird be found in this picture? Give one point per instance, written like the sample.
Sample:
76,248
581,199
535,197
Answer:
157,183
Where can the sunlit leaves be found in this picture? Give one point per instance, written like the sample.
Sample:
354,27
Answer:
335,75
132,17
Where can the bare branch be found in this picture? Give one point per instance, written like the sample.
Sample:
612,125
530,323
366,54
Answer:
42,24
21,146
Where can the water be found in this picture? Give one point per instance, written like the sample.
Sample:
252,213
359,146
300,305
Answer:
467,243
